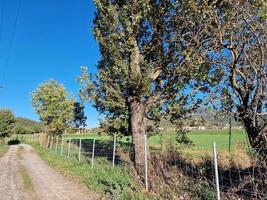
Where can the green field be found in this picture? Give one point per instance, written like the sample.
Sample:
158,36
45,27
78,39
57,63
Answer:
202,140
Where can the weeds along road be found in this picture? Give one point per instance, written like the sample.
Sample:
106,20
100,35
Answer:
24,176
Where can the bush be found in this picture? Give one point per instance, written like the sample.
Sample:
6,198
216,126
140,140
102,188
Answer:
23,130
7,121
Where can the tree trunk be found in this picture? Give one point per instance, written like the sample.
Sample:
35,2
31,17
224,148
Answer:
138,129
257,136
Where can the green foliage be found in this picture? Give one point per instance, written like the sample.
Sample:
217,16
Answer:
23,130
202,192
7,122
151,54
27,126
53,106
79,116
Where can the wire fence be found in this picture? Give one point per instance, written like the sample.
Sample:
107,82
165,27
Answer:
167,170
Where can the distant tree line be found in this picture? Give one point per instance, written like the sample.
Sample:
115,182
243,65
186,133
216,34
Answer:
9,124
27,126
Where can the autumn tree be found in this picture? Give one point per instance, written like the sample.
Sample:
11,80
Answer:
239,49
7,122
152,64
54,107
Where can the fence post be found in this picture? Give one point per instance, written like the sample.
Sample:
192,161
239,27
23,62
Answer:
62,143
51,143
216,172
56,144
146,174
114,151
48,142
93,154
69,147
80,147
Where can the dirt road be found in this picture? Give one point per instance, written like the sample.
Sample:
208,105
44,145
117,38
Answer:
24,176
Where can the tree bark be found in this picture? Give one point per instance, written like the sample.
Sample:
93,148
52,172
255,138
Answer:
257,134
138,129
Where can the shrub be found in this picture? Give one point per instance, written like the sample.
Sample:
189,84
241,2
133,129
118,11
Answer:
7,121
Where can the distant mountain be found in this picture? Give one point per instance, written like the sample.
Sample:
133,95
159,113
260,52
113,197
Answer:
203,117
213,117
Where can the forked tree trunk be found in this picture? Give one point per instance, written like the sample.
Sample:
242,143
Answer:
138,129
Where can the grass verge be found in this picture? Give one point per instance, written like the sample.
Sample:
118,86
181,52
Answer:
3,148
118,183
27,181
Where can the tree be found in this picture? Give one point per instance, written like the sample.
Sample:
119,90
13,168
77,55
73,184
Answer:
79,116
152,64
54,107
27,126
239,50
7,121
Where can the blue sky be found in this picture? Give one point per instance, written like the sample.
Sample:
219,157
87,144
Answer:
53,38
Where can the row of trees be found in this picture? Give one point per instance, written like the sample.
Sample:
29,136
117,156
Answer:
56,109
164,58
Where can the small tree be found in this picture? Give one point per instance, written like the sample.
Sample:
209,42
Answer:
7,121
53,106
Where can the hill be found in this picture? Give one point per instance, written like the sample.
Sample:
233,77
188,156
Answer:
27,126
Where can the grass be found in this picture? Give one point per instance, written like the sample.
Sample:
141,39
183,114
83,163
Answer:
202,140
116,183
3,148
27,181
120,182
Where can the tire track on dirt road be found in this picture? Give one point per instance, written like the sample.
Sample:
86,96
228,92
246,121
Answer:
48,183
11,184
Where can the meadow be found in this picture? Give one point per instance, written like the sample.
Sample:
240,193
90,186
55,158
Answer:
202,140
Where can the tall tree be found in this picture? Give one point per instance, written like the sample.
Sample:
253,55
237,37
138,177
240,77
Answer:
7,122
54,107
152,64
239,49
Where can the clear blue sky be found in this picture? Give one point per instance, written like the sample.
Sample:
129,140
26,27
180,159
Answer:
53,38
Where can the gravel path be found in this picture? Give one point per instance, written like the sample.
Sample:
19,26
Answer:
48,184
11,184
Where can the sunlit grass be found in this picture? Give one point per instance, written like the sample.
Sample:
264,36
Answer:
202,139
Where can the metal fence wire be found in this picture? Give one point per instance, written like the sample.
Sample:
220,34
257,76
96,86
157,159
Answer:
167,169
